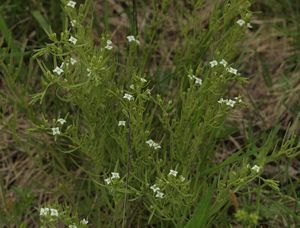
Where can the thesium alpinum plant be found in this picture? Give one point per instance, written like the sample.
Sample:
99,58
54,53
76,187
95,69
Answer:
131,141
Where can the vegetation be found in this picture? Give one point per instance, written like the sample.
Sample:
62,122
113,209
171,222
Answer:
149,113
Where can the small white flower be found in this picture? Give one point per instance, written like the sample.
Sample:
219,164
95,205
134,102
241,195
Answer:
58,70
53,212
159,194
256,168
73,61
73,23
84,222
61,121
108,45
249,26
107,180
73,40
131,86
133,39
55,131
128,96
198,81
115,175
44,211
232,70
71,4
122,123
148,91
223,62
173,173
154,188
181,178
213,63
143,80
241,22
72,226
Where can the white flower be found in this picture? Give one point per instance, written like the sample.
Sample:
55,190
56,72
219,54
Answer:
153,144
173,173
213,63
115,175
44,211
154,188
198,81
223,62
61,121
73,23
249,26
73,61
55,131
256,168
148,91
143,80
128,96
108,45
181,178
58,70
122,123
72,226
53,212
133,39
84,222
230,103
73,40
232,70
107,180
71,4
241,22
131,86
159,194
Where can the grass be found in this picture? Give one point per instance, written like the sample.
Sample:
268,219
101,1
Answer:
208,165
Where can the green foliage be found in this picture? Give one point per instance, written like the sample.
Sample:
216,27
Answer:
127,145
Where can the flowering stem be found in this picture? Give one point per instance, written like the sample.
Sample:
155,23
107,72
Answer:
134,18
128,169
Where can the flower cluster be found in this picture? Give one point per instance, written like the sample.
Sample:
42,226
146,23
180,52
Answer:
71,4
56,130
156,190
48,211
224,63
153,144
174,174
128,96
108,45
133,39
114,175
241,23
230,102
198,81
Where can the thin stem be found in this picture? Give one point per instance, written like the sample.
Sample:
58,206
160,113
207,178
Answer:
128,169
